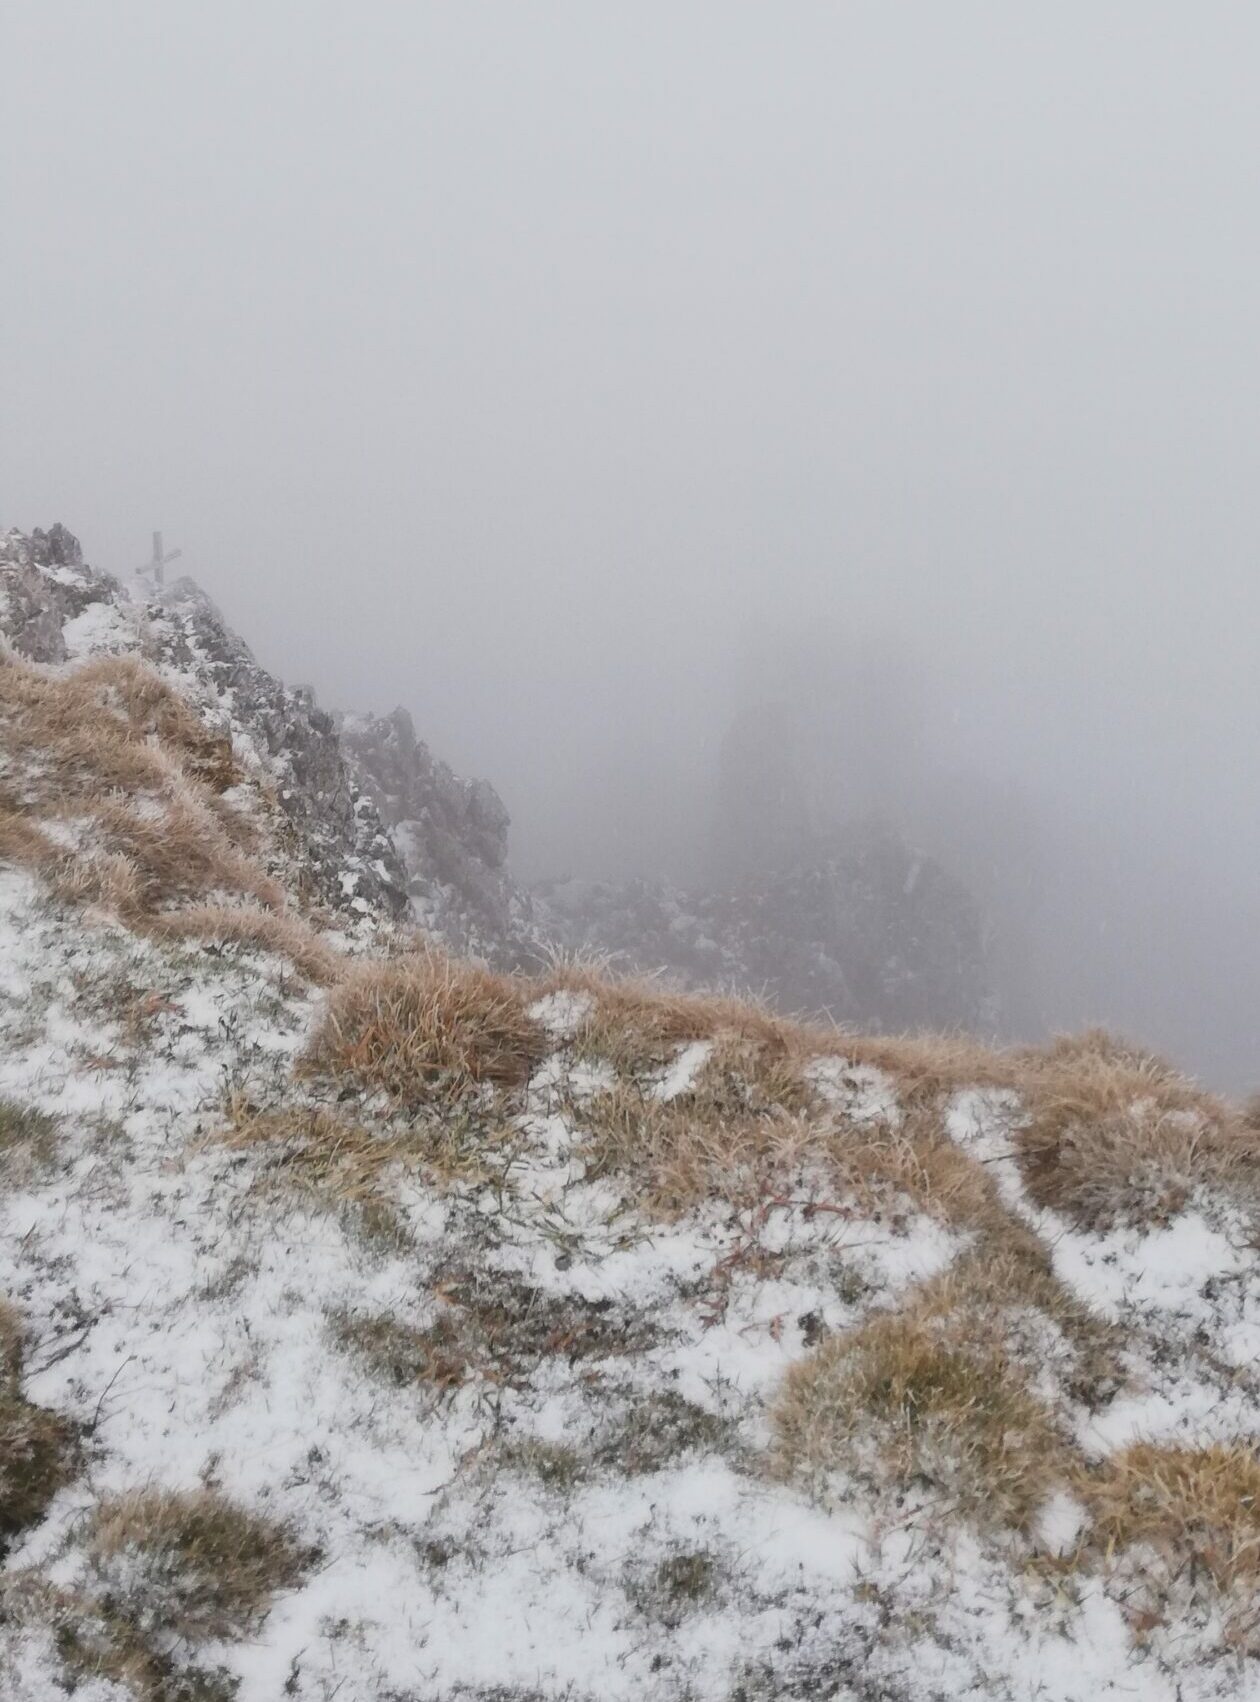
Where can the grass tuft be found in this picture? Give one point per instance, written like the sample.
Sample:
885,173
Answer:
1115,1135
1187,1520
344,1165
912,1404
38,1448
195,1566
427,1025
28,1141
119,795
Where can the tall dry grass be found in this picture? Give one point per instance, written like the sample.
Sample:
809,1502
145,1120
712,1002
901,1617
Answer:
427,1024
117,795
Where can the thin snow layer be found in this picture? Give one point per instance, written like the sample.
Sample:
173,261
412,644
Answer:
1187,1293
103,626
509,1538
561,1012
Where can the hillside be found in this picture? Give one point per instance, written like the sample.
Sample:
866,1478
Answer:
380,1325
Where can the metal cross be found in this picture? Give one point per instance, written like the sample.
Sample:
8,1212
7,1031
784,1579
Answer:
157,566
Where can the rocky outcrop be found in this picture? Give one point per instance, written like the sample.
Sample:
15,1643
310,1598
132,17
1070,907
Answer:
44,585
54,608
867,930
351,857
452,837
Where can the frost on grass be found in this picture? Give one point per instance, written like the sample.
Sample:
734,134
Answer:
192,1567
909,1404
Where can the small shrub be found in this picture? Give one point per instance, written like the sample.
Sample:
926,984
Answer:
192,1566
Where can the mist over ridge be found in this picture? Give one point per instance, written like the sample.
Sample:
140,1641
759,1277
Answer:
583,382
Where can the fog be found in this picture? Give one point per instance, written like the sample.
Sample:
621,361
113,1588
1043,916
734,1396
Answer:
574,373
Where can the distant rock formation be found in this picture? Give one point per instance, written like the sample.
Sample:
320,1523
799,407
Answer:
867,931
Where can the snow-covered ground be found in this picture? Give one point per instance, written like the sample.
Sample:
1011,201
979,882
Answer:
593,1520
521,1429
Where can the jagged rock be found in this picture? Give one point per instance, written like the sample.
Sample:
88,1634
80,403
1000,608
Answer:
38,599
352,858
452,836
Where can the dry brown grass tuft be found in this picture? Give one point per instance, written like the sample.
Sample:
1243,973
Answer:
1193,1506
747,1137
11,1341
181,850
116,797
636,1024
1005,1289
111,725
427,1025
1118,1135
672,1157
876,1162
927,1068
21,841
912,1402
117,716
1112,1133
28,1141
194,1566
1192,1515
38,1448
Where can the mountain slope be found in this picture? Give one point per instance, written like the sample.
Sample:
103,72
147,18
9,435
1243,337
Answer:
378,1326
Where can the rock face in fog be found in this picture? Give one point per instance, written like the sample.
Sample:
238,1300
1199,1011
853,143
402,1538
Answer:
452,837
867,931
847,921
